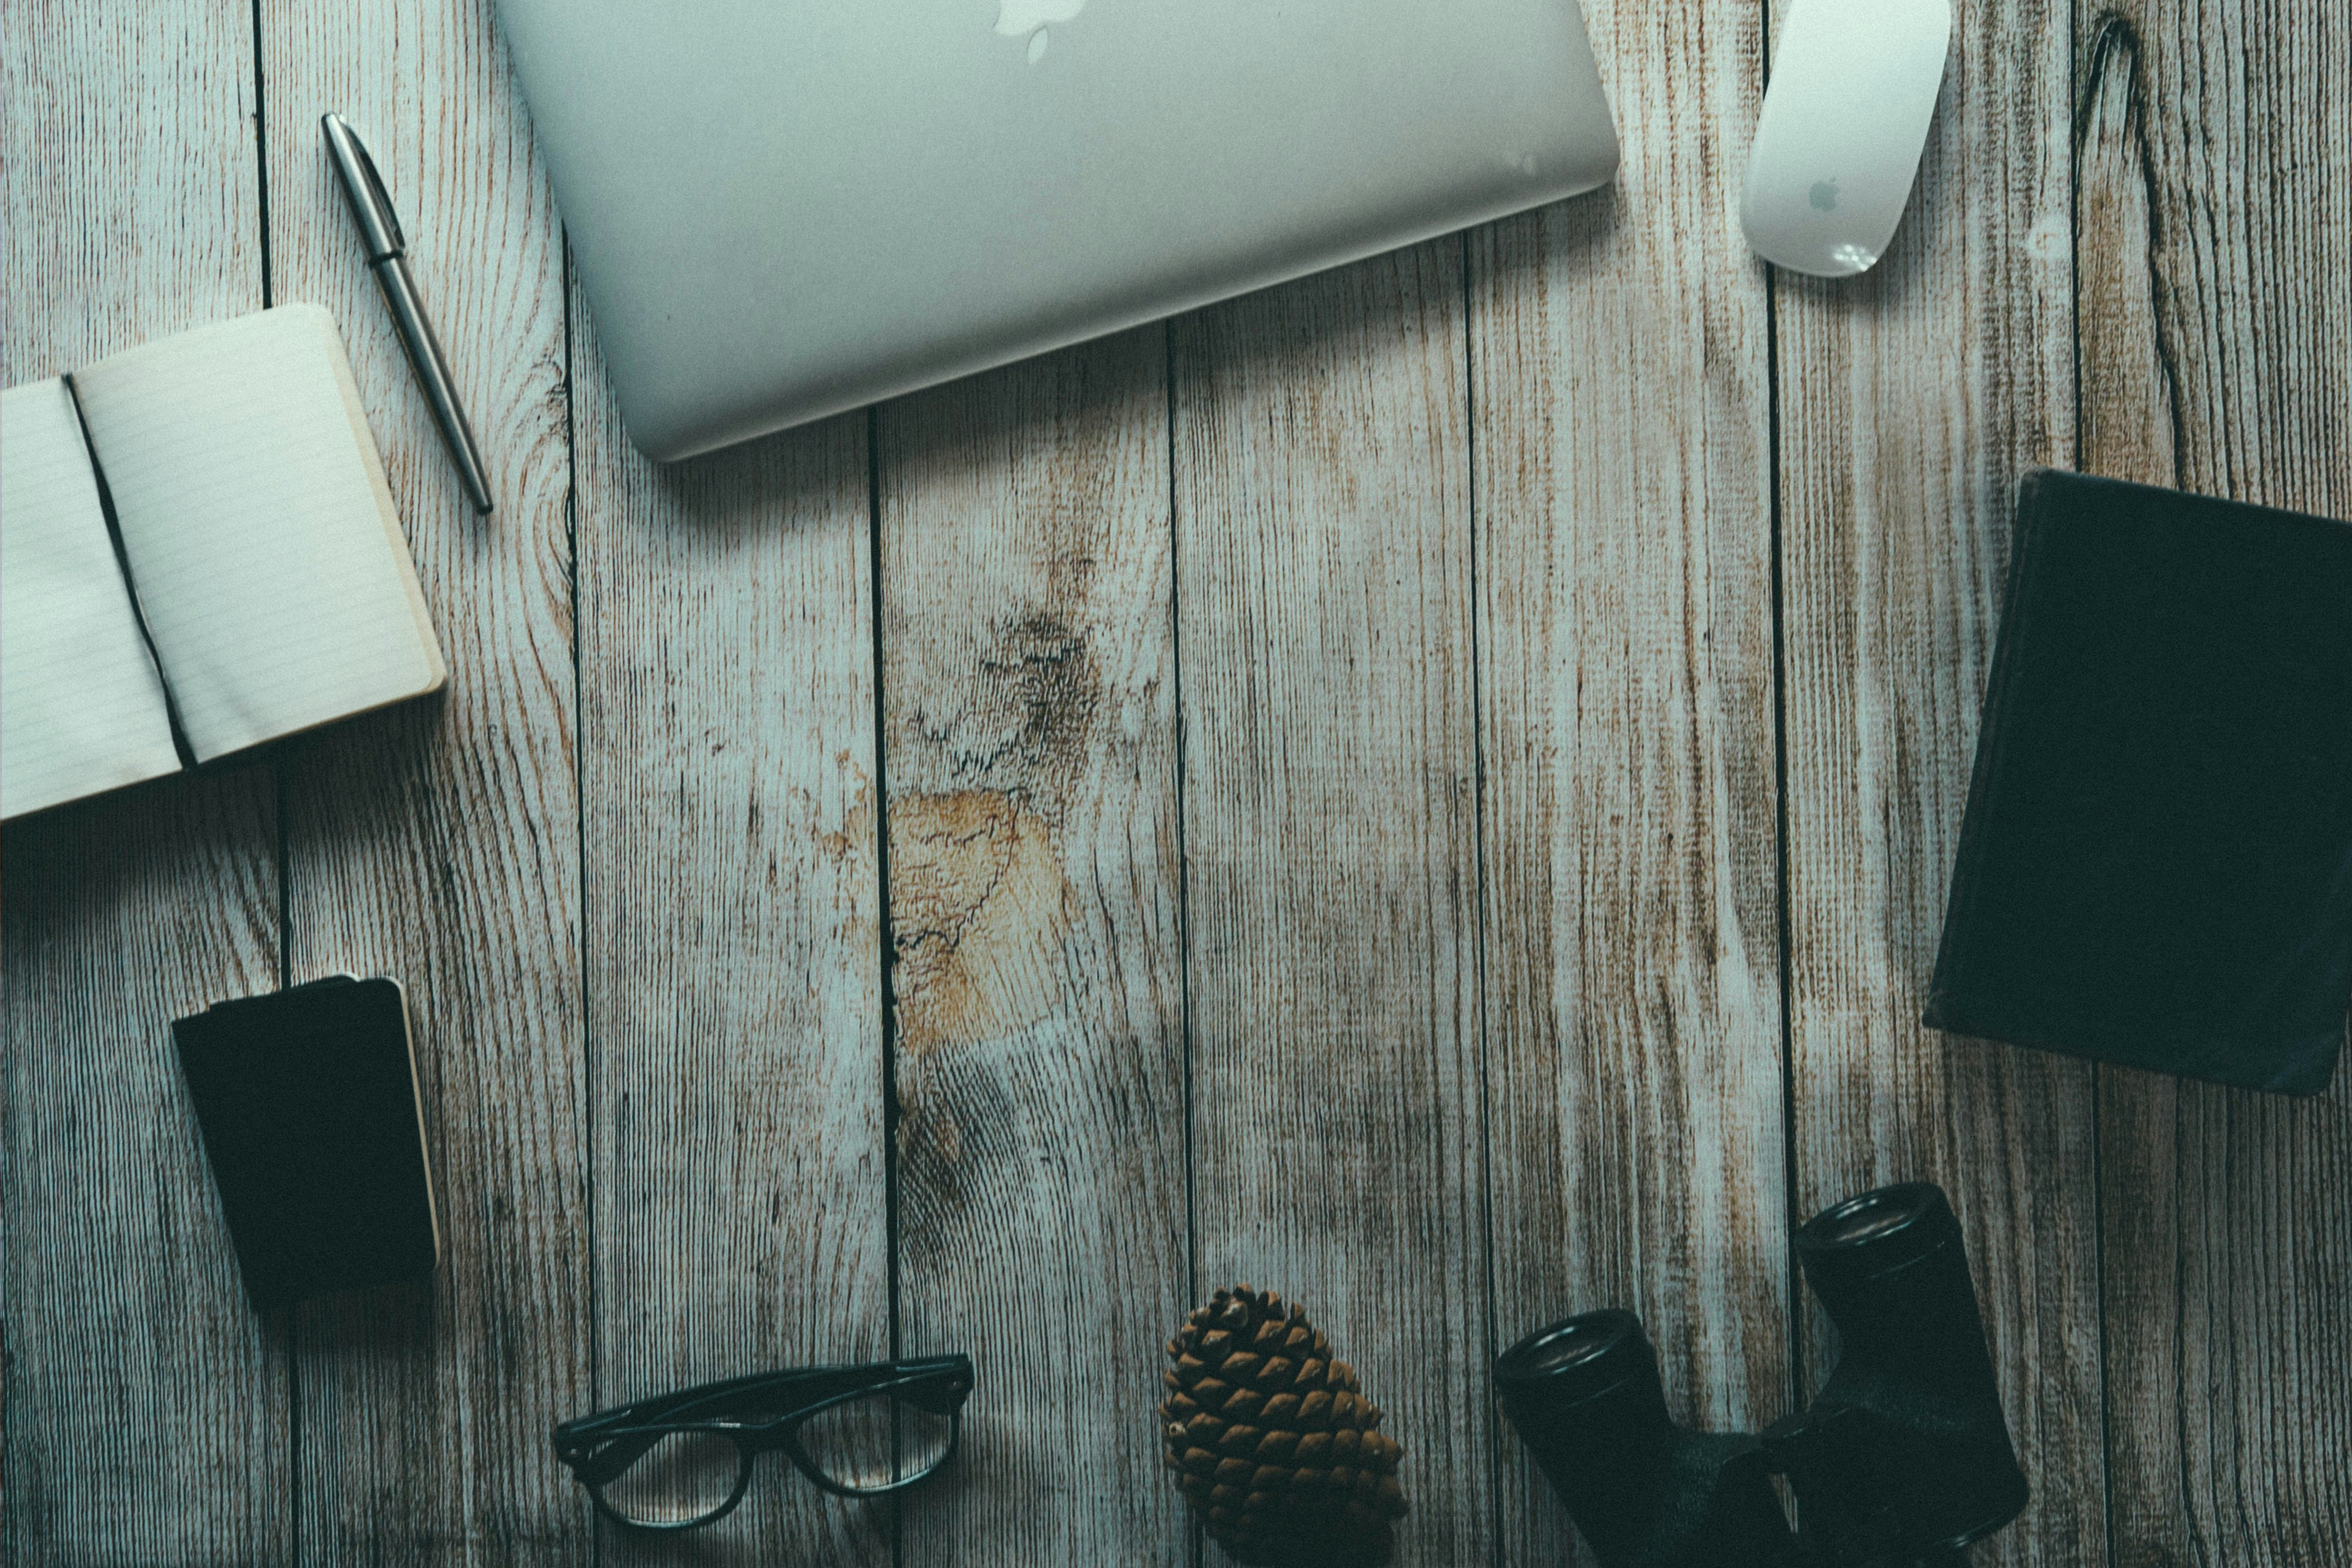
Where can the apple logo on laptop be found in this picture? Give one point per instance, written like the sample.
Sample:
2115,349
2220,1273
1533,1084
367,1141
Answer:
1017,19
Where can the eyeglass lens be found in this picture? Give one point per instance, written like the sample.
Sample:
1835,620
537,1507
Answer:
684,1478
876,1442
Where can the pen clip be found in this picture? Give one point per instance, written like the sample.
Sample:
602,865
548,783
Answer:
364,190
384,206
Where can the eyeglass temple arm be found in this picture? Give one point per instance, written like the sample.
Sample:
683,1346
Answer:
711,1401
938,1384
933,1383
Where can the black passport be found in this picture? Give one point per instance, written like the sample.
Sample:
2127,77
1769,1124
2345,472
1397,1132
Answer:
306,1099
2156,865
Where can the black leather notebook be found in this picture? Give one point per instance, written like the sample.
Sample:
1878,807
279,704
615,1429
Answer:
306,1099
2156,865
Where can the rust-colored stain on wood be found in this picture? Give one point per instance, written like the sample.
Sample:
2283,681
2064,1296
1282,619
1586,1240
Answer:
978,904
1352,758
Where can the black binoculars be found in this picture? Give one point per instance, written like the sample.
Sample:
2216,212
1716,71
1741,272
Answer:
1903,1458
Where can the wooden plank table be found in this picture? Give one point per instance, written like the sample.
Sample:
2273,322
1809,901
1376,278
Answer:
1429,789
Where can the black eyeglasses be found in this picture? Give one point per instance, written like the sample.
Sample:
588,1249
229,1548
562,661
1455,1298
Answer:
684,1460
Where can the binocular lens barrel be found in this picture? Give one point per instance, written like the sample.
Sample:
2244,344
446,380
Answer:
1873,1236
1584,1394
1865,1218
1902,1457
1891,1267
1578,1342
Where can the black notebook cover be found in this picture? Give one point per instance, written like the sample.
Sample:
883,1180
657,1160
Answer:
306,1099
2156,866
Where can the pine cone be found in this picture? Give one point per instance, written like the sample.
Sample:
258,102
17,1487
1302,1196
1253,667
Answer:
1270,1441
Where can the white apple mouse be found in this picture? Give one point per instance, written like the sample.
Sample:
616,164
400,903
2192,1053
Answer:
1845,116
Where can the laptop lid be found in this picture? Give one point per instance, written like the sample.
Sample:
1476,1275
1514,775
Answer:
781,209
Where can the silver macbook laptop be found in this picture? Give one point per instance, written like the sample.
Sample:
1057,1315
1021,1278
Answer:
785,208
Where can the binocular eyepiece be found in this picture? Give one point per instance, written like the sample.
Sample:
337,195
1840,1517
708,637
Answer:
1904,1458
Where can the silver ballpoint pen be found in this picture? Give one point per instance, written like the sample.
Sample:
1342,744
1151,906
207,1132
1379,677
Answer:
387,256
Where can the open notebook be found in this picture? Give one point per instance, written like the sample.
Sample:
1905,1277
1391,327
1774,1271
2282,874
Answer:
196,535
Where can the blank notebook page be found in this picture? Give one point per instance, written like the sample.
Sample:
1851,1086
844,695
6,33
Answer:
81,707
260,533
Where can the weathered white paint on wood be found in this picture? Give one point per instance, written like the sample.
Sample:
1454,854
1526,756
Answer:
145,1401
439,843
1028,678
1620,361
734,933
657,1069
1909,402
2215,148
1323,613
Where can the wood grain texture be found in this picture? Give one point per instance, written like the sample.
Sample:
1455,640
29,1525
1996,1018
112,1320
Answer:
1620,358
2213,147
134,1370
1028,677
1469,870
734,933
1324,611
440,843
1909,401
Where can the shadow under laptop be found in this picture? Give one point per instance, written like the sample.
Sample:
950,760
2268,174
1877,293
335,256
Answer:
1082,409
805,478
1081,432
